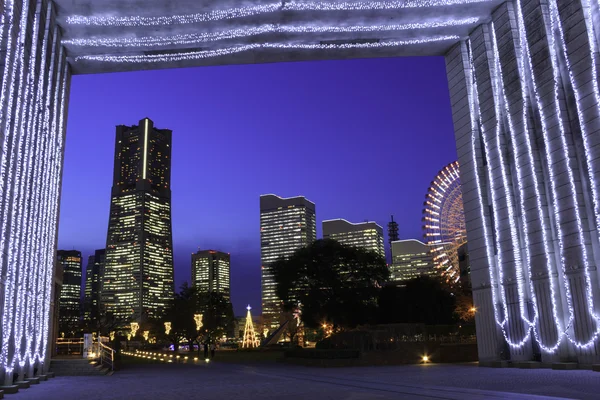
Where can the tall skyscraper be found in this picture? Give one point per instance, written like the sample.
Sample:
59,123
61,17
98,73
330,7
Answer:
69,309
210,272
286,224
367,235
410,259
93,287
138,279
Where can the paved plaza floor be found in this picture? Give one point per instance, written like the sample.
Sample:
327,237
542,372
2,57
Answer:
279,381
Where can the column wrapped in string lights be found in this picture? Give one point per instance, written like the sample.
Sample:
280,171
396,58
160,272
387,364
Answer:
527,84
35,81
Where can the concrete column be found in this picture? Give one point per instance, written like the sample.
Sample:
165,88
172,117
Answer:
35,83
530,164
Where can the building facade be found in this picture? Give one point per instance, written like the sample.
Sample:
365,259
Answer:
410,259
286,224
94,274
366,235
69,309
138,278
211,272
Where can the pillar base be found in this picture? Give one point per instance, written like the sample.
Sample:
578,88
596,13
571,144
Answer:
23,384
42,377
12,389
529,364
49,375
596,367
495,364
33,381
564,366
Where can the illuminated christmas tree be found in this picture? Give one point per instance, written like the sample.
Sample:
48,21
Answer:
250,339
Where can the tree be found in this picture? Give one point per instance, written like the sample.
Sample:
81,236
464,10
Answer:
331,282
422,300
216,310
464,309
181,315
217,314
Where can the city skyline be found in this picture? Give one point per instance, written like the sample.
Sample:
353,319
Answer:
220,209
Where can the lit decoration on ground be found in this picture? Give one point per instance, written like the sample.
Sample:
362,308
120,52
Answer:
146,335
198,320
327,329
112,336
444,222
167,328
250,340
203,54
134,326
280,6
195,38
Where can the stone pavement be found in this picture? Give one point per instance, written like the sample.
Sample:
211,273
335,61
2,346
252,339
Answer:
276,381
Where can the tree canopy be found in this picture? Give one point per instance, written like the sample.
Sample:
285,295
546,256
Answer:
331,282
216,310
422,300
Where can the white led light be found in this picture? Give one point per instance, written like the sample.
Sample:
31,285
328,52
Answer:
500,97
497,228
198,55
281,6
556,23
195,38
522,53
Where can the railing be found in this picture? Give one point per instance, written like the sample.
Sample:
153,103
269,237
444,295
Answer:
106,355
69,346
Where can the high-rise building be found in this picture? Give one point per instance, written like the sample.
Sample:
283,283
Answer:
410,259
93,287
138,278
286,224
69,309
210,272
367,235
392,233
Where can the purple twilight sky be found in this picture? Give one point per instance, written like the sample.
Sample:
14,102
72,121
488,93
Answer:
361,138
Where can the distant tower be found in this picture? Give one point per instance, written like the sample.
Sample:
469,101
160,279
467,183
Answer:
250,339
392,232
138,277
286,225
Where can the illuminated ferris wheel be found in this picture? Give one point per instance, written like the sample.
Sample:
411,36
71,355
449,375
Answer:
444,222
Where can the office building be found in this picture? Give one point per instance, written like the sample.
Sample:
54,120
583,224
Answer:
286,224
410,259
367,235
210,272
69,309
138,279
93,287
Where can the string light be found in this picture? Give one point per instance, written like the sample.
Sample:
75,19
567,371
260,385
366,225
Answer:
493,266
522,52
497,89
195,38
281,6
204,54
555,23
8,86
